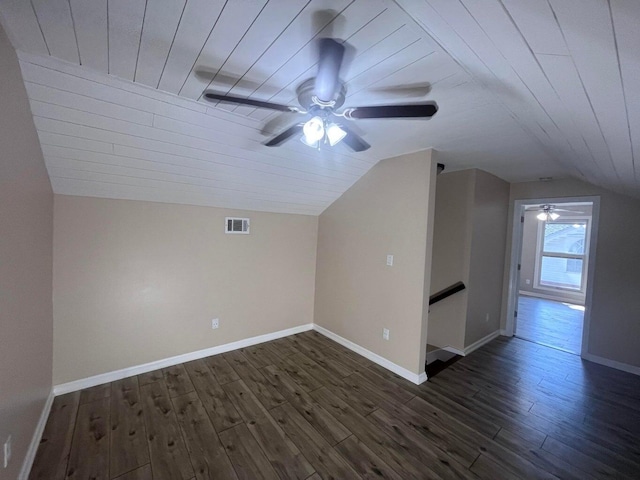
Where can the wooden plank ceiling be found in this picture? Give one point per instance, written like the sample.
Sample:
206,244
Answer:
526,89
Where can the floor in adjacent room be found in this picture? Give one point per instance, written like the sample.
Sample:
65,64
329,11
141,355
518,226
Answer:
305,407
550,323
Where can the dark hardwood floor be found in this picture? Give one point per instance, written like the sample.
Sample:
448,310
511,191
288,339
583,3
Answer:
550,323
304,407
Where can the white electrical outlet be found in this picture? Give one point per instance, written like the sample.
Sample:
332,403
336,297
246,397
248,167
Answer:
215,323
527,281
7,452
385,333
390,260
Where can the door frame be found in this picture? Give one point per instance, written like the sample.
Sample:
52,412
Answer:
516,252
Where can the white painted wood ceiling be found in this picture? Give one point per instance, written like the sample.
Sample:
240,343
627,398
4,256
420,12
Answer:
526,89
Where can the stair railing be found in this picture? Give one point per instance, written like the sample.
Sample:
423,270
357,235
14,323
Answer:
446,292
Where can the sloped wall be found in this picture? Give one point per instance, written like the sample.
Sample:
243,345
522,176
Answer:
26,230
357,295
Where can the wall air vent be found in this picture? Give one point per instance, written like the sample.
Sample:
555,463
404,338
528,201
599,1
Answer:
236,225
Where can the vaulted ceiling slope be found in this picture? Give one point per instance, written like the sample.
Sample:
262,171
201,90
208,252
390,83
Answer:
526,89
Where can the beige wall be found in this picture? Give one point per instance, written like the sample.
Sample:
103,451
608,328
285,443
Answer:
26,228
136,282
469,241
489,220
451,256
615,315
357,294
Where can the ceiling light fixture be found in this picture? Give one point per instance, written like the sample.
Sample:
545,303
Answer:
316,129
545,216
313,131
547,213
335,134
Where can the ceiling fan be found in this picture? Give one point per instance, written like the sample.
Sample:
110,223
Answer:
320,99
548,212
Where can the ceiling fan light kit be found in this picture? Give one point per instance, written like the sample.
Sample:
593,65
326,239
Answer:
320,98
544,216
318,131
547,213
335,134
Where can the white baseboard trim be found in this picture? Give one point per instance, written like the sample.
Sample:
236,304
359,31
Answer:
168,362
35,439
625,367
374,357
441,354
454,350
483,341
505,333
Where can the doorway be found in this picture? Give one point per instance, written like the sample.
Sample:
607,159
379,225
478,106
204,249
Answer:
552,263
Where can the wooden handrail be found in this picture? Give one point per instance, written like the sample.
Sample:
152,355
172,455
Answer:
447,292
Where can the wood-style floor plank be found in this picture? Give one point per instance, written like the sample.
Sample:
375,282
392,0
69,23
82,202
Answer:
487,469
428,449
337,354
320,356
259,355
142,473
89,456
129,448
322,421
53,451
303,379
95,393
248,459
177,380
540,457
207,454
305,407
221,369
326,460
221,410
150,377
359,359
256,382
366,463
580,461
336,384
400,459
551,323
283,454
169,455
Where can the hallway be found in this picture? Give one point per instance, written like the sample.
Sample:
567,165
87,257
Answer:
551,323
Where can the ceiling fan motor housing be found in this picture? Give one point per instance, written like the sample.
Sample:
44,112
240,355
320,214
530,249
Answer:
309,101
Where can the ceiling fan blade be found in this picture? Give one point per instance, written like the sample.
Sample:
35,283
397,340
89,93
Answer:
415,90
354,141
217,97
284,136
563,210
424,110
328,77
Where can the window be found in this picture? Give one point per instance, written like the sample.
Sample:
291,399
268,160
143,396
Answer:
562,254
